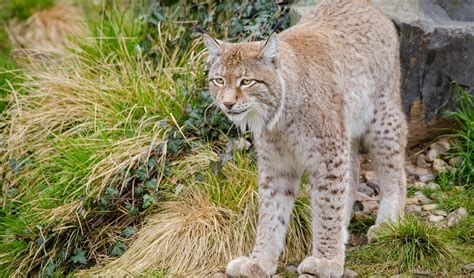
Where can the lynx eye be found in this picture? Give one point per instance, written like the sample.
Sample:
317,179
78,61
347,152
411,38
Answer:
246,82
218,81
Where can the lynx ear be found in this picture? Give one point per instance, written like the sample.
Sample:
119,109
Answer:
213,46
270,49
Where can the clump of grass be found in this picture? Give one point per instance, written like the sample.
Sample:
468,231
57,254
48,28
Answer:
210,221
463,174
404,246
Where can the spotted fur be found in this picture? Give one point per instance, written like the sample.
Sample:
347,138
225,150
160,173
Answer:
319,90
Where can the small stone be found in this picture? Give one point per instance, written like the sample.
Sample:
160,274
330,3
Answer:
291,268
369,175
435,218
306,276
440,212
469,268
367,190
421,161
434,196
432,155
455,161
349,273
440,165
441,146
425,177
421,272
359,215
456,216
423,199
412,201
370,206
432,186
358,196
418,185
430,207
242,144
414,209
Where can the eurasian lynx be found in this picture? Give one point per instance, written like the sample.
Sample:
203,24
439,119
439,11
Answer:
311,96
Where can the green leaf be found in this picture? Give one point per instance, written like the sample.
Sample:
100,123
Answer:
79,256
129,231
148,201
48,270
118,249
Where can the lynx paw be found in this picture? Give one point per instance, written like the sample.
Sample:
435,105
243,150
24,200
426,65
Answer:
321,267
372,233
243,266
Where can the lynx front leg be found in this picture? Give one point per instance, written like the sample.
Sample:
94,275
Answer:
329,192
277,193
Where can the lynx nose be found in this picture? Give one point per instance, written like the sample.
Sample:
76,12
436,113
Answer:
229,104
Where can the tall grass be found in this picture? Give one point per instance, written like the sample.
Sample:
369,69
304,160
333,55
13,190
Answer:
86,141
89,140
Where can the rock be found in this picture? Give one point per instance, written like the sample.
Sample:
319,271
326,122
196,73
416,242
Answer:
430,207
455,216
441,146
432,155
369,175
291,268
434,196
306,276
440,165
422,198
469,268
455,161
432,186
440,213
413,209
370,206
435,218
412,201
365,189
349,273
425,177
418,185
241,144
422,272
421,161
436,48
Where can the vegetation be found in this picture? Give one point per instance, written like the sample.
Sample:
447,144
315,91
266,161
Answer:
113,160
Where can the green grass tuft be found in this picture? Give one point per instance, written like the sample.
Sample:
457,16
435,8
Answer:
404,246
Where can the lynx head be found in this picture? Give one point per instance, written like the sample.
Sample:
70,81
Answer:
245,82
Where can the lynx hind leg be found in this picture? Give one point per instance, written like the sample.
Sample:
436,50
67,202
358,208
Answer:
354,182
386,142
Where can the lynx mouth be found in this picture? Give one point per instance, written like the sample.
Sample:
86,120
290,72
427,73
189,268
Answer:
236,113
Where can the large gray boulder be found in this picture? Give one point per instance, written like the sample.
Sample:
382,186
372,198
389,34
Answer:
437,49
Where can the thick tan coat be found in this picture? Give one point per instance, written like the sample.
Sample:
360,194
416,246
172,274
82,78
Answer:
312,96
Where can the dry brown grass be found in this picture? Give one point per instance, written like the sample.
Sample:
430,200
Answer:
207,224
48,31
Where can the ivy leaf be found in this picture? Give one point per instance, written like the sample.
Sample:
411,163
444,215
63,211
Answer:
48,270
79,256
118,249
148,201
129,231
